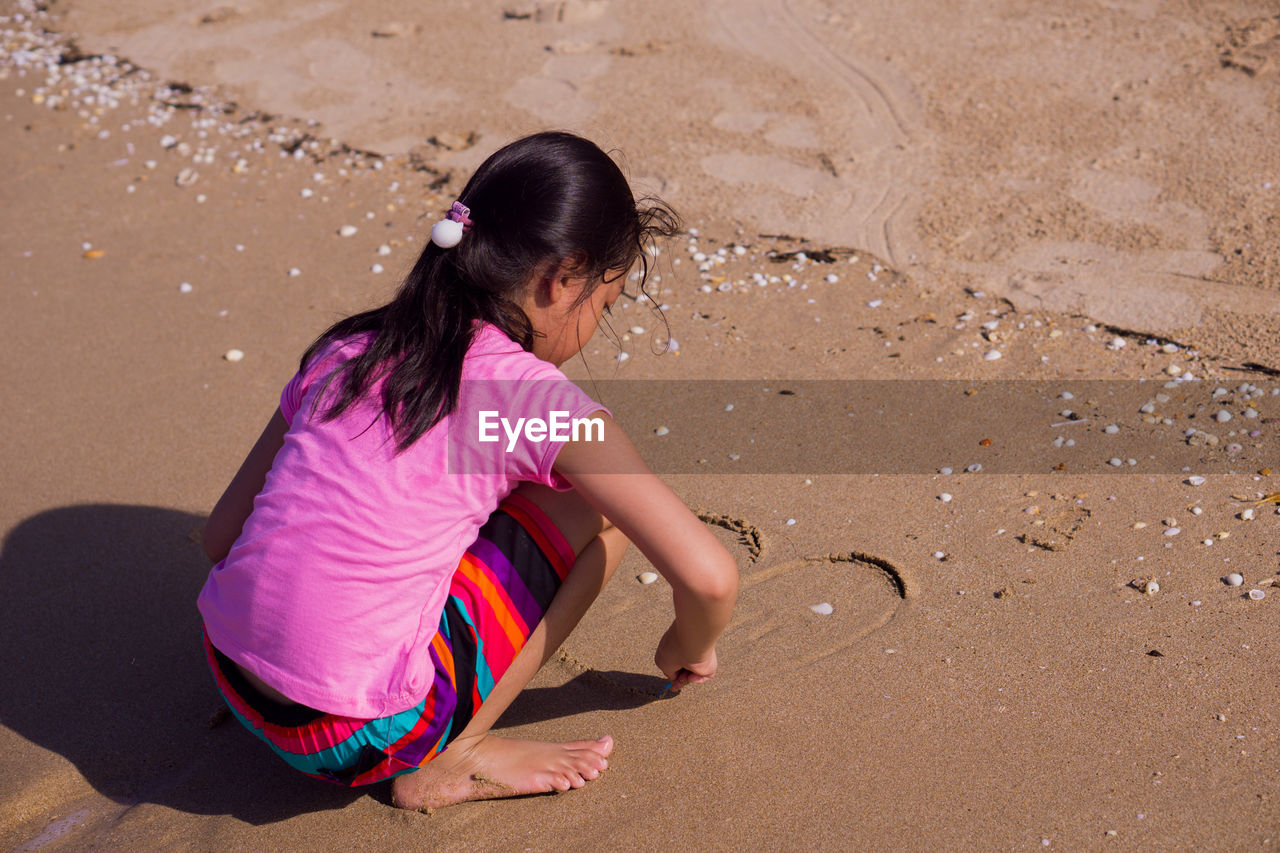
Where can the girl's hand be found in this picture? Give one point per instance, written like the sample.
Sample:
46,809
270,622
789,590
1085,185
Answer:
679,668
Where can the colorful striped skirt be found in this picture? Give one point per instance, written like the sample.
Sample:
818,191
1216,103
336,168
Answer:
498,595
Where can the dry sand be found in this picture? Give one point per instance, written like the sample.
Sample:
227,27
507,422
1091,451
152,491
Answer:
1073,173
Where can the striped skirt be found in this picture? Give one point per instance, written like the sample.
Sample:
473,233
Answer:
498,595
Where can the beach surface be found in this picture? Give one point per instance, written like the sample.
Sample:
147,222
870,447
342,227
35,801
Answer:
977,321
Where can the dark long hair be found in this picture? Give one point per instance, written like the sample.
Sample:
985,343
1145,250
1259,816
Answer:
541,201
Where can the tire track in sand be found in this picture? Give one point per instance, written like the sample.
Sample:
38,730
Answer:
871,117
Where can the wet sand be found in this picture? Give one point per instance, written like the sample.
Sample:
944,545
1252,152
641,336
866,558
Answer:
1090,193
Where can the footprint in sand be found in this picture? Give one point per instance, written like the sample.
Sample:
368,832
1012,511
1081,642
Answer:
773,628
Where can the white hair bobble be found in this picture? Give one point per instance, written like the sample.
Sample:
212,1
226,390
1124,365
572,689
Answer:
448,232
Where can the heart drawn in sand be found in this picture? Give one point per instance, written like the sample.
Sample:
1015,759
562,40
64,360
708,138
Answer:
773,630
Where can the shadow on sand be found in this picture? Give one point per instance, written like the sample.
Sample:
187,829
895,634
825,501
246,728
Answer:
102,663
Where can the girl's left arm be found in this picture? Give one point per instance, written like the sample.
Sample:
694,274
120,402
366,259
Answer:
229,514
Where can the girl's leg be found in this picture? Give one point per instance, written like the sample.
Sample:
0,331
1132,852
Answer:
479,765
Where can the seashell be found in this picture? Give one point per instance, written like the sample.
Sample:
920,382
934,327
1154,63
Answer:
1151,587
233,355
294,272
637,330
375,269
187,177
661,431
992,355
384,250
1234,579
1195,480
1246,514
1257,594
185,287
350,231
823,609
622,356
647,578
945,497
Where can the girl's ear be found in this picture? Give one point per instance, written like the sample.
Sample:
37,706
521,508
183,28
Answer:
564,281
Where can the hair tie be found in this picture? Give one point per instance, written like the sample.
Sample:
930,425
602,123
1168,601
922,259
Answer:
448,231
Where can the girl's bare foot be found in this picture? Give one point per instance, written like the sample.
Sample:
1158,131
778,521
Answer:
487,767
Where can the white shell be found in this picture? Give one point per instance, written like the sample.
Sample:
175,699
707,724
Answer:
233,355
1151,588
446,233
823,609
647,578
1257,594
1234,579
347,231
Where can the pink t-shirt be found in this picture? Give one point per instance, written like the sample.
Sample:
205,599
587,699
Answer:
334,589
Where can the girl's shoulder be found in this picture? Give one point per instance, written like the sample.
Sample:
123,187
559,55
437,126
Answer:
493,355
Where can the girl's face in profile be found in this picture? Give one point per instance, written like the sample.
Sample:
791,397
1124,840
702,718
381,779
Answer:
571,324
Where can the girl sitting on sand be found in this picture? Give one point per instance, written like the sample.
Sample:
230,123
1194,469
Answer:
387,578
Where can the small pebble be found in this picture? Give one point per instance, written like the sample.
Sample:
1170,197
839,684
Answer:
1117,343
1222,416
347,231
790,521
622,356
1195,480
1246,515
945,497
1151,587
823,609
375,269
1111,429
185,287
1234,579
384,250
647,578
1172,531
944,471
233,355
637,330
1195,510
992,355
307,192
875,303
1257,594
1115,461
661,431
294,272
939,555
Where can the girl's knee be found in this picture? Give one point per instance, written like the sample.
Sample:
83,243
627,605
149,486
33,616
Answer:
577,520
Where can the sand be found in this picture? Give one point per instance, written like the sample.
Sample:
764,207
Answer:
991,675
